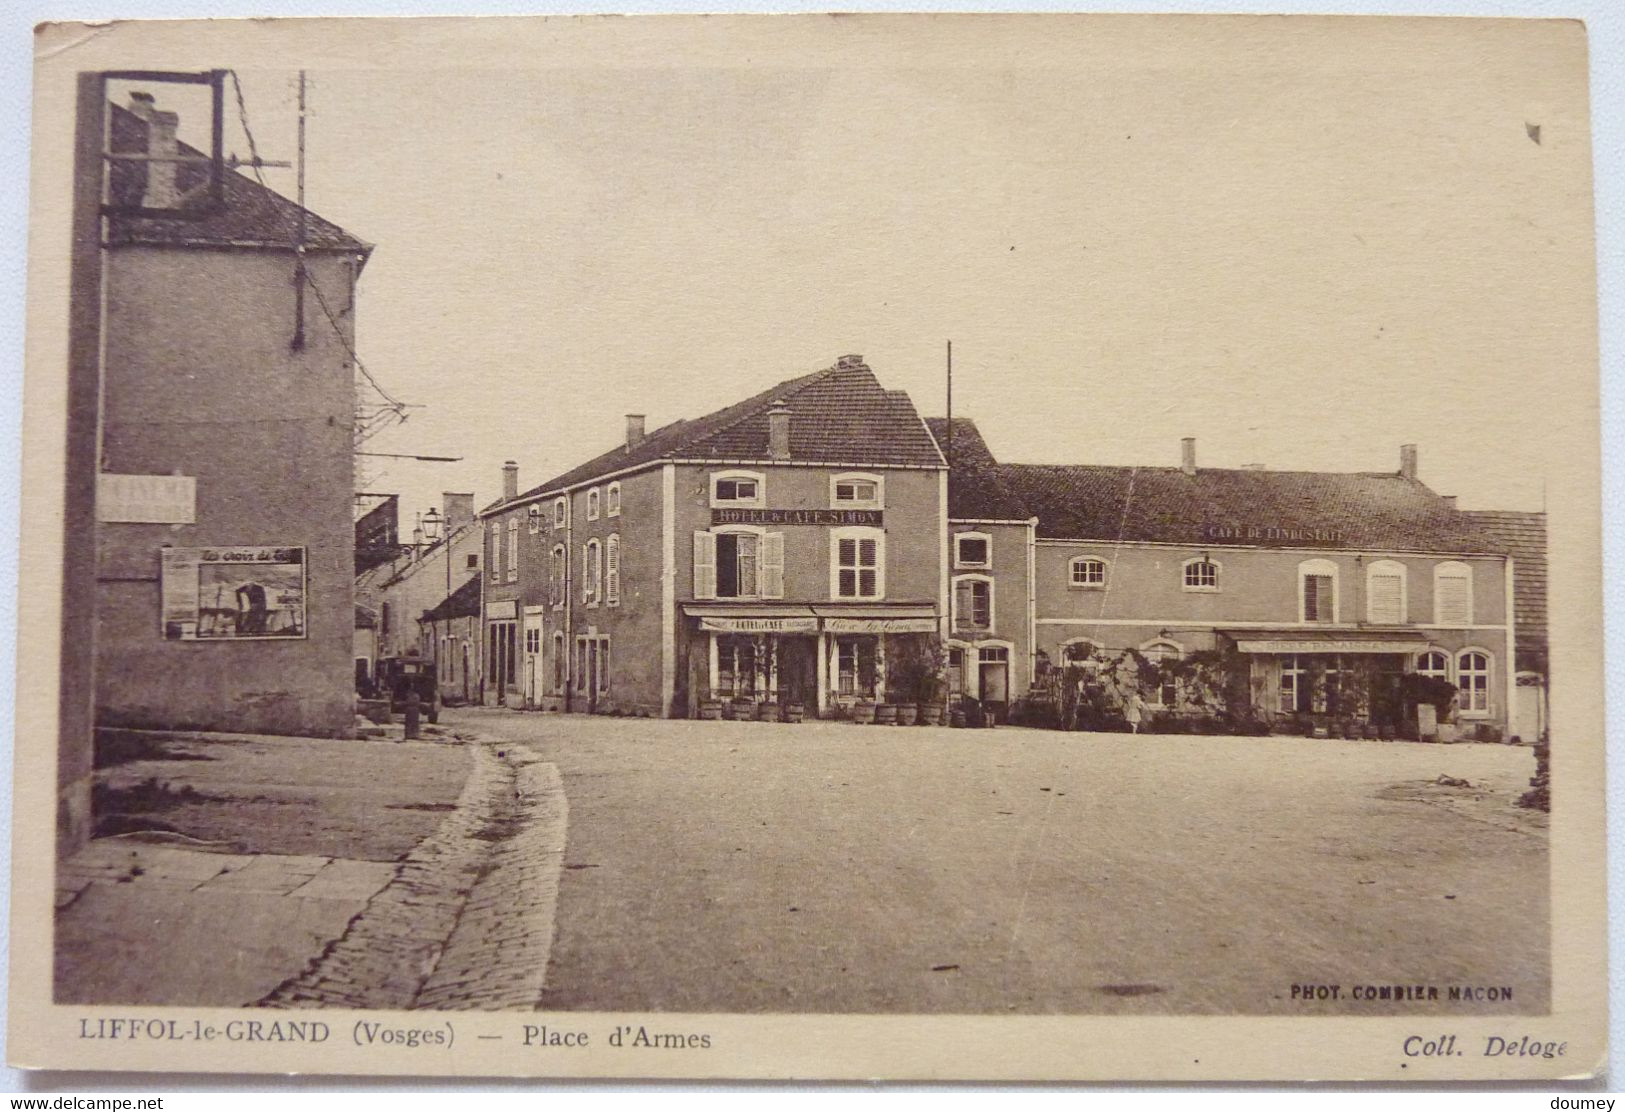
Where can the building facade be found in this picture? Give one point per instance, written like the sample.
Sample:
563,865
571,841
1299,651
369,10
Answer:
789,548
224,542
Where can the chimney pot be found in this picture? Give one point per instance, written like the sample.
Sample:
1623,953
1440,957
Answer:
1407,461
1450,500
778,431
1187,455
634,430
849,361
510,481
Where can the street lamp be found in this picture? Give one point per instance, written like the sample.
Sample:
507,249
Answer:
434,528
432,522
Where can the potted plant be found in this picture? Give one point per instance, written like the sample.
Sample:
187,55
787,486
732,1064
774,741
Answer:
795,710
907,713
863,712
768,711
710,707
886,714
744,708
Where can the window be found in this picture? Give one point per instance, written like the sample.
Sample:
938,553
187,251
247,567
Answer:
1087,571
592,572
973,550
855,666
561,512
1473,681
533,518
558,663
513,549
612,500
737,488
1452,594
555,578
736,666
592,504
973,603
1433,663
1167,690
1201,574
857,563
1385,593
474,560
738,563
496,552
856,492
612,570
1317,591
533,640
1292,684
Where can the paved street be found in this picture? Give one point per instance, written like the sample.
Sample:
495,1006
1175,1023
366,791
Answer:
825,867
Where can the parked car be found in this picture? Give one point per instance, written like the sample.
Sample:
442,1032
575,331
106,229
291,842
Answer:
401,675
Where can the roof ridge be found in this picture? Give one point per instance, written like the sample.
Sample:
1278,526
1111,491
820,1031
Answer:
748,407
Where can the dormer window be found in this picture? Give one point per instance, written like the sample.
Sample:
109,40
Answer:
737,489
973,550
856,492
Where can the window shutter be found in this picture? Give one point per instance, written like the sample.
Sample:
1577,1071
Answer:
772,571
705,565
1453,609
1386,600
586,573
612,584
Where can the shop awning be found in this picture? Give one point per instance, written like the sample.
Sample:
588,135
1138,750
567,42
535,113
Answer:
1297,640
754,618
792,618
901,617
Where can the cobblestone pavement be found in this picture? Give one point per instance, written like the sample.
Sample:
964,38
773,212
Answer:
467,922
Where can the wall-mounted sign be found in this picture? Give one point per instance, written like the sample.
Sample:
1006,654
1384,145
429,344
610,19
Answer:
233,593
796,517
1328,646
880,625
759,625
502,610
155,499
1270,534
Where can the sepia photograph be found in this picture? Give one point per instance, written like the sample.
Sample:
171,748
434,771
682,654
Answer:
865,546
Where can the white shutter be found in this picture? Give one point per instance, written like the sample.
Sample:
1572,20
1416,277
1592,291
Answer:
705,565
612,584
772,565
586,573
1453,605
1387,599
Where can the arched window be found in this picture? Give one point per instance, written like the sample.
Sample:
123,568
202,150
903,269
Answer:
592,572
1385,593
1081,652
612,500
1201,574
1167,690
1433,664
1473,681
561,512
1452,594
856,490
972,604
533,518
738,489
1087,571
612,570
592,504
1317,591
555,579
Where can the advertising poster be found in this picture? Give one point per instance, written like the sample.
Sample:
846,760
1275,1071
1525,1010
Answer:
229,594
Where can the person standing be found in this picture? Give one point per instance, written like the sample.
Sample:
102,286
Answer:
1134,711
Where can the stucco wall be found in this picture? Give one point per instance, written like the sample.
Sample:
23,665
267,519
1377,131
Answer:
201,381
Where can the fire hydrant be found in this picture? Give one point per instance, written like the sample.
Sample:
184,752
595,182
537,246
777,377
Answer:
413,705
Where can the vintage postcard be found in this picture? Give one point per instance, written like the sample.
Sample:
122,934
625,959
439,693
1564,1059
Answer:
879,546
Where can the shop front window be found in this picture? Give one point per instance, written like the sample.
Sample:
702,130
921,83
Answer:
1473,681
1292,684
855,666
736,666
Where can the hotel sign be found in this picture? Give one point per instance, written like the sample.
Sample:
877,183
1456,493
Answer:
759,625
1328,646
880,625
795,517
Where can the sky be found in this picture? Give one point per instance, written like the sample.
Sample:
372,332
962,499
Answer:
1302,257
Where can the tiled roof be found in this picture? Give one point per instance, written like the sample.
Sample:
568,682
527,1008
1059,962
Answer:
975,490
1314,509
1523,536
840,414
252,215
464,602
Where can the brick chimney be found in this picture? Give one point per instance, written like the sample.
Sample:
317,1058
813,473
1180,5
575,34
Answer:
458,510
161,191
1407,461
1450,500
1187,455
778,431
634,430
849,362
510,481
